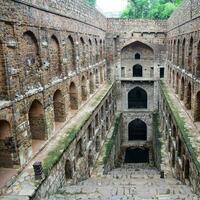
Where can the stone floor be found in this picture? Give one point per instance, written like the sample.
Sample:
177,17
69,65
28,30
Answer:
131,182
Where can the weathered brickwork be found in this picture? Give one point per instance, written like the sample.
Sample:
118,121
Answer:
57,56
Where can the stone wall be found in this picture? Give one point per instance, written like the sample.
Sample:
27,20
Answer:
46,47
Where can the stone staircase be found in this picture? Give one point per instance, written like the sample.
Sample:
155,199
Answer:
130,182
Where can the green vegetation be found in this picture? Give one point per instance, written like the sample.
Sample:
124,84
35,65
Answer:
91,2
181,125
110,143
55,155
153,9
157,135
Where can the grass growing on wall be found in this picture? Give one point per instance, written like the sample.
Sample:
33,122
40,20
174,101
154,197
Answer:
157,136
110,143
181,125
54,156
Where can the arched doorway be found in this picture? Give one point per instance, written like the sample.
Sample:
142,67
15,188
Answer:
188,97
59,107
177,83
37,124
5,145
137,70
73,96
182,91
91,83
137,98
68,170
137,130
137,155
97,77
83,88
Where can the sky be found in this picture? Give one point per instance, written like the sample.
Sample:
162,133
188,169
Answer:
111,5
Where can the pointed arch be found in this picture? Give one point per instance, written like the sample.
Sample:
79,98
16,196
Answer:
178,52
137,130
137,56
59,106
182,90
73,96
91,83
54,52
90,52
188,96
190,54
71,53
30,58
137,98
37,121
183,54
82,52
83,88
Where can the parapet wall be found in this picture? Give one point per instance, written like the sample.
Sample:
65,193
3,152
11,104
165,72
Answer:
136,25
73,9
189,10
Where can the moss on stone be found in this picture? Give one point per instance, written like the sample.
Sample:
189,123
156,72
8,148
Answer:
181,125
110,143
157,137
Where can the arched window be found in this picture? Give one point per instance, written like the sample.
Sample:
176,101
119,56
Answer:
137,130
182,91
137,98
73,96
178,50
82,52
37,121
30,58
84,88
174,52
188,96
183,53
90,52
71,54
59,107
91,83
137,71
137,56
190,50
54,51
